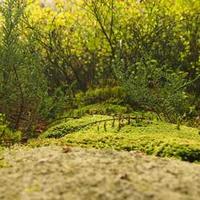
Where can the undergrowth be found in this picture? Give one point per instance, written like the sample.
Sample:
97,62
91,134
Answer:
7,135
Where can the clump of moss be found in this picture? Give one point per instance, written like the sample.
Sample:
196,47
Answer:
106,94
71,125
153,138
103,109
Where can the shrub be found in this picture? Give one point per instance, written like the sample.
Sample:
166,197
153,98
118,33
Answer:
25,96
155,88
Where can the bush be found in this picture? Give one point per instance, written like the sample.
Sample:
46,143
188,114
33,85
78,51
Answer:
25,96
156,88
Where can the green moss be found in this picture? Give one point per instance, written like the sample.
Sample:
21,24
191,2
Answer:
155,138
106,94
103,109
71,125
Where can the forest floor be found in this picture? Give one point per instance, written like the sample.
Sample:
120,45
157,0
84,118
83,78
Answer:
56,173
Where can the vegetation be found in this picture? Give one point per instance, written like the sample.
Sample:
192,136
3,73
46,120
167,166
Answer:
149,136
71,66
7,135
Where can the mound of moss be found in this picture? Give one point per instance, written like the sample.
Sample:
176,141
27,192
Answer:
114,95
162,143
149,136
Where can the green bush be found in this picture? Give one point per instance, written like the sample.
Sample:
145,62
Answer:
155,88
25,95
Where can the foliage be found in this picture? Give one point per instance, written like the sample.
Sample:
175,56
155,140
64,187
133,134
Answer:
7,136
24,88
155,88
49,53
